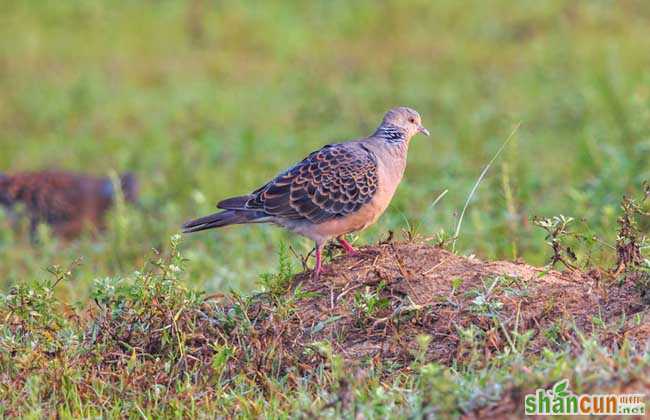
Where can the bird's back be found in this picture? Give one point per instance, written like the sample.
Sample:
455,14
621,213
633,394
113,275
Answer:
65,200
50,195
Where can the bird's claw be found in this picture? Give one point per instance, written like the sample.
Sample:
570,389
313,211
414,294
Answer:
349,249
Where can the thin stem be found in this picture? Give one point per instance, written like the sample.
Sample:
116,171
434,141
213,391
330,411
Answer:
478,182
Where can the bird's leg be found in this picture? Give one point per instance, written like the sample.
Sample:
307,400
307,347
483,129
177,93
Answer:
346,246
318,268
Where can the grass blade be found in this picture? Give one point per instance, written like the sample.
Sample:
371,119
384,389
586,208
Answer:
478,182
431,206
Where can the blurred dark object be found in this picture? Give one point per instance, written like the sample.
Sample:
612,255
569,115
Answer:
68,202
194,25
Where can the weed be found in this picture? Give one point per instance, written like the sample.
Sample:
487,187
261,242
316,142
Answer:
277,283
629,240
557,230
484,301
369,302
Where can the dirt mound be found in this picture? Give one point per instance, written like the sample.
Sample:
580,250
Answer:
378,303
387,312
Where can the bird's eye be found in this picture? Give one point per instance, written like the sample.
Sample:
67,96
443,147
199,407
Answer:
411,120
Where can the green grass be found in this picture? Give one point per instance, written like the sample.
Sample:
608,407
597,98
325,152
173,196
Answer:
205,99
151,347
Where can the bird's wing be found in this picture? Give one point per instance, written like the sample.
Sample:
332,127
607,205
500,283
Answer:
332,182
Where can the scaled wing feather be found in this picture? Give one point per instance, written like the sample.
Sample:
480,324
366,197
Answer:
330,183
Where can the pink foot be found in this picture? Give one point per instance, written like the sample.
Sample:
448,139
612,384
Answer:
347,247
318,268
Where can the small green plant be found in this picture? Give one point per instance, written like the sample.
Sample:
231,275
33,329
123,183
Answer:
366,304
443,239
277,283
33,318
420,355
472,341
630,241
557,231
145,311
552,333
484,301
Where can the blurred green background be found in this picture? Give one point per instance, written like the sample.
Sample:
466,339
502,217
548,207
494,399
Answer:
208,99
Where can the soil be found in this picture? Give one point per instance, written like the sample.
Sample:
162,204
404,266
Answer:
387,306
426,290
398,302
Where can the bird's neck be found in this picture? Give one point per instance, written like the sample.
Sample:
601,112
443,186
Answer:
391,134
393,140
389,147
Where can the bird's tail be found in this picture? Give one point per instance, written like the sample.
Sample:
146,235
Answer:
224,218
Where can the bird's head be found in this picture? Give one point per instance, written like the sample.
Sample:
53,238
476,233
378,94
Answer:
405,119
5,200
130,187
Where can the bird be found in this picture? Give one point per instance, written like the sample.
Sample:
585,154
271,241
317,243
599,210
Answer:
336,190
66,201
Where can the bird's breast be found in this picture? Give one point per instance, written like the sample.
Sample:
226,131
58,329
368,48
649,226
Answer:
389,176
390,170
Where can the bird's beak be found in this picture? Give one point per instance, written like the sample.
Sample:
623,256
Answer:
423,130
